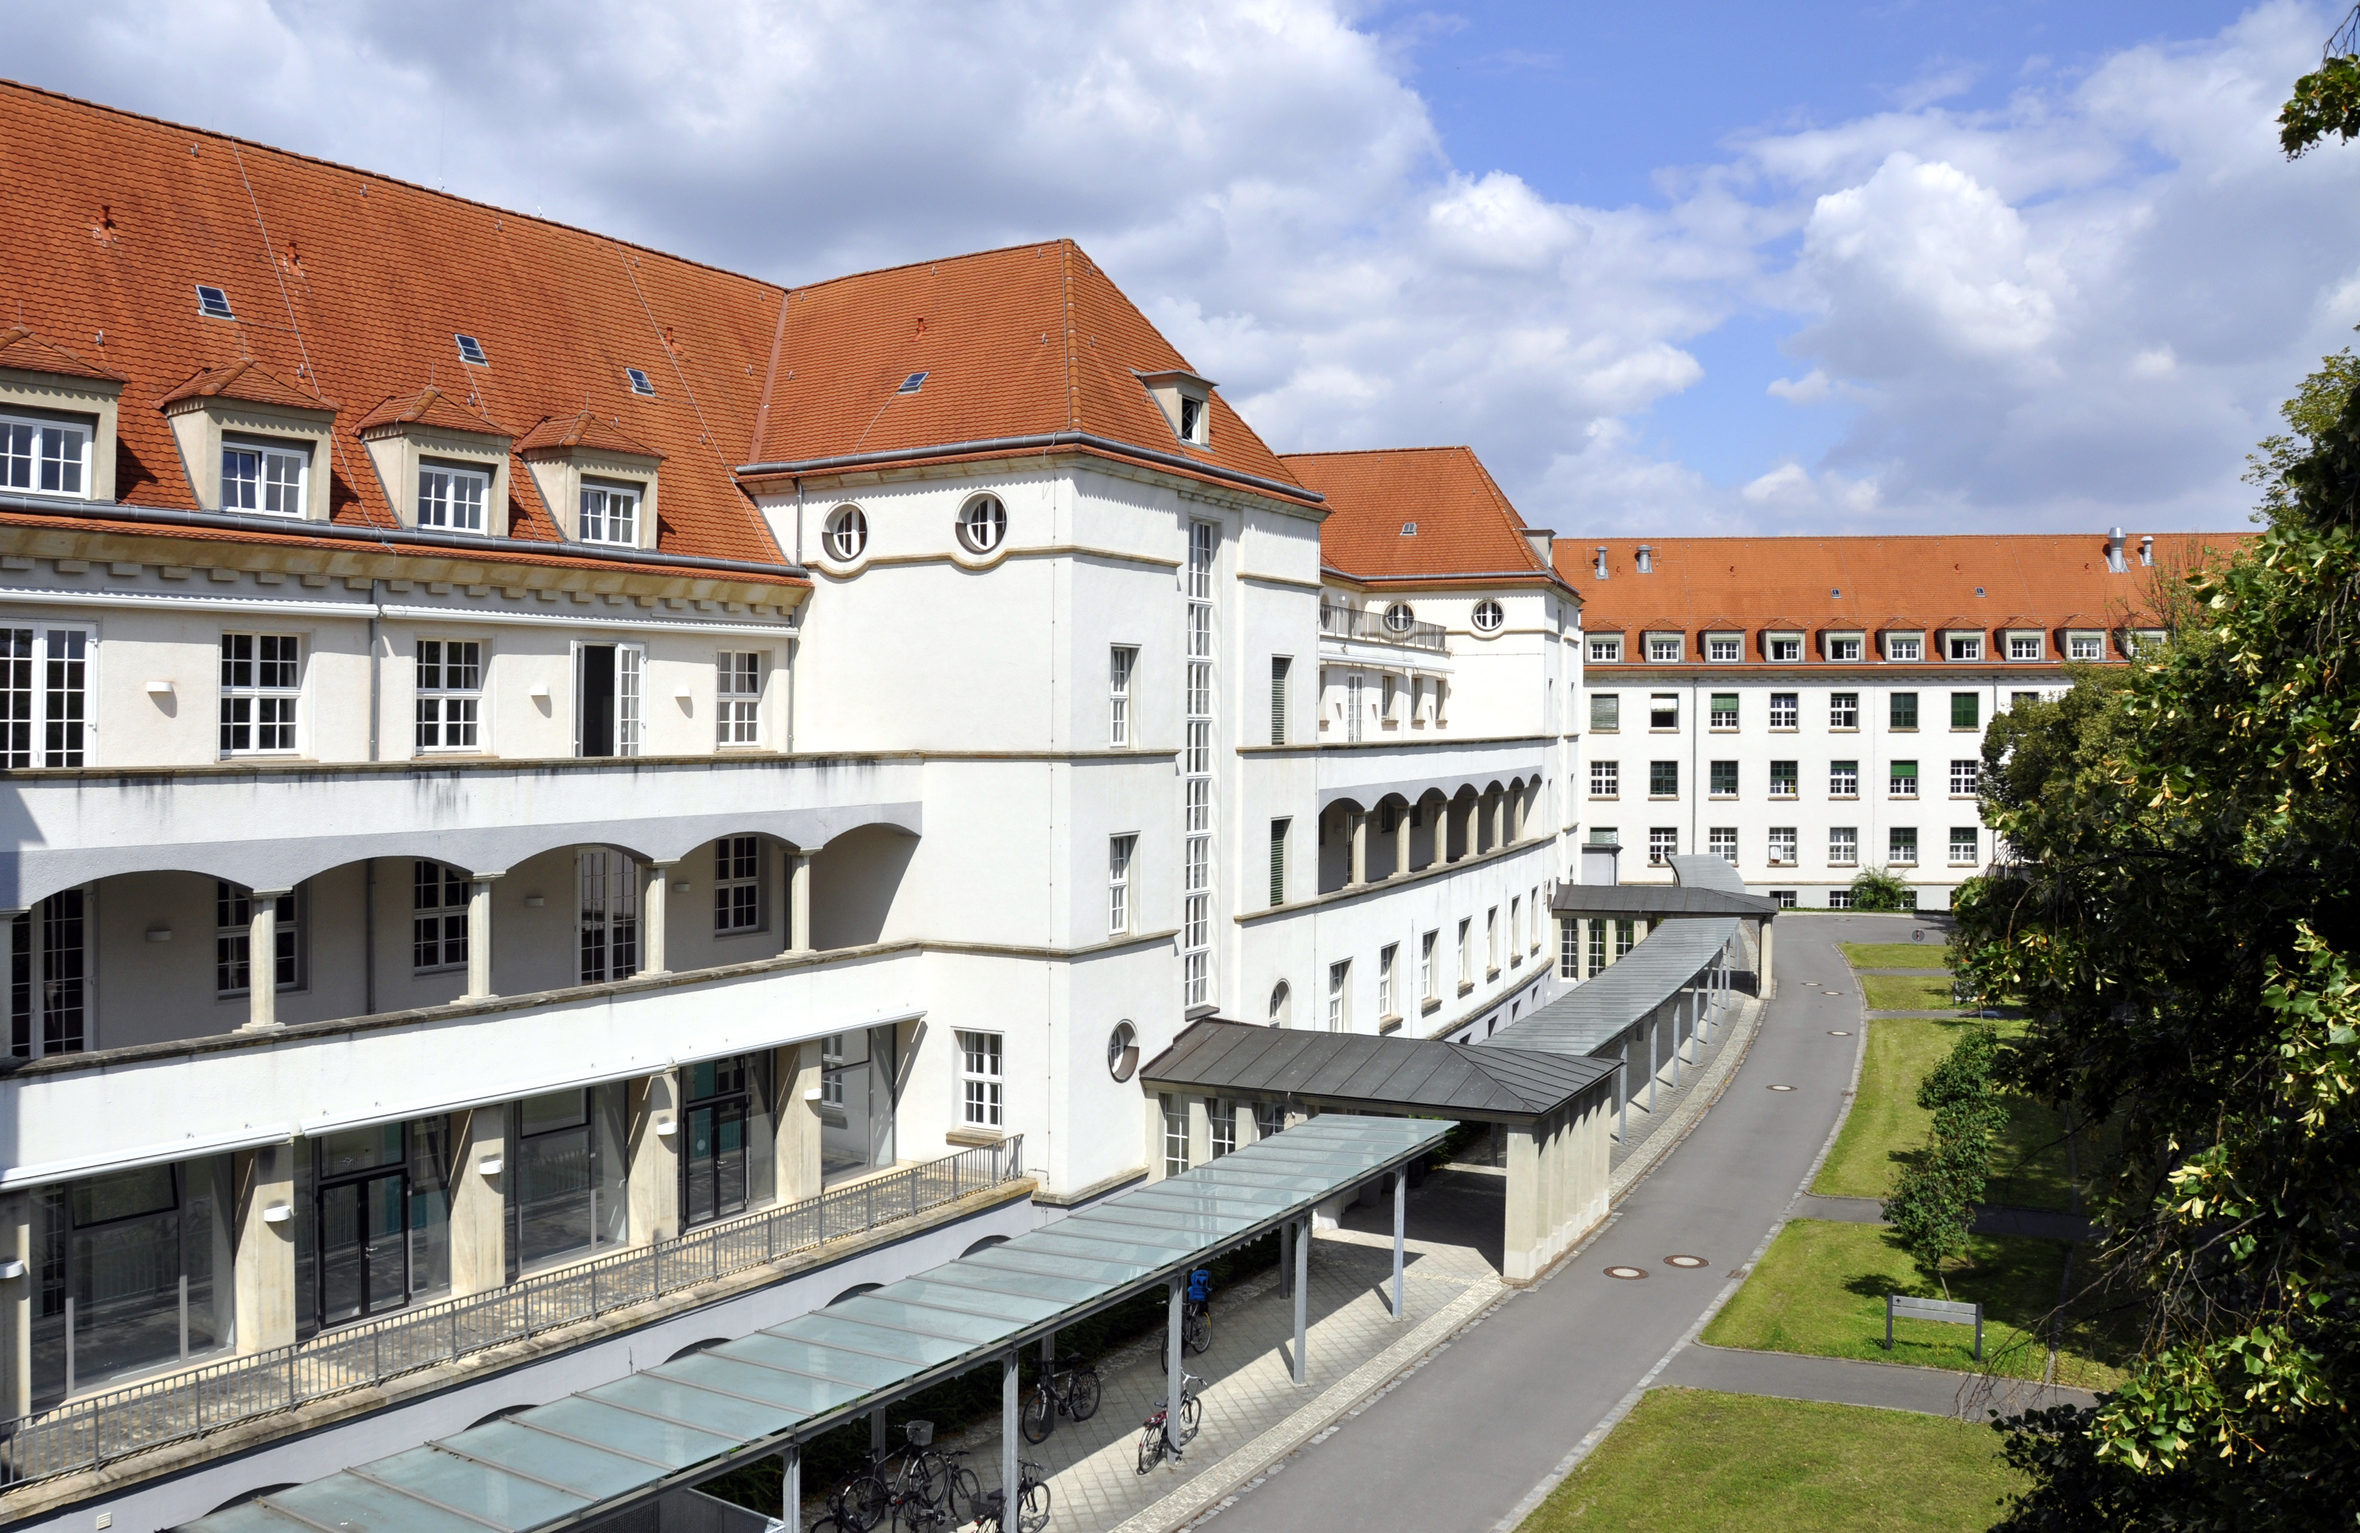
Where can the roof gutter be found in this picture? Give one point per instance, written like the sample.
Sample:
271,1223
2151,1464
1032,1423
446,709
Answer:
1026,444
166,517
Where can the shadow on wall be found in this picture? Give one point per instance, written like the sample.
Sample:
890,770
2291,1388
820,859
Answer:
854,880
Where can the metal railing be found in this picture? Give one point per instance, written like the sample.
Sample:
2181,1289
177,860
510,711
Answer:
86,1433
1337,622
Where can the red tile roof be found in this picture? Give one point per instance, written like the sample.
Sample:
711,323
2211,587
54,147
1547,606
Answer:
1465,526
564,433
248,381
356,283
1031,341
27,352
428,407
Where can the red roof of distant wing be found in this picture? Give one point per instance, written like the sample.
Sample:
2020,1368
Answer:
1465,525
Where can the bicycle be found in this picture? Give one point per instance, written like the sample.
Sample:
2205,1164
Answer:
1155,1441
1032,1503
1063,1390
1196,1315
922,1479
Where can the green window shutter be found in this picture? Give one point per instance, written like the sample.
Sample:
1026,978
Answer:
1278,861
1966,710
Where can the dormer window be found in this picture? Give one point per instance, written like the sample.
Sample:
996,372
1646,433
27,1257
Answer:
1187,403
1843,648
452,498
1965,646
599,484
1724,648
1664,648
610,513
57,420
1192,420
2085,646
2025,646
43,456
1605,650
1906,647
1784,648
258,476
248,438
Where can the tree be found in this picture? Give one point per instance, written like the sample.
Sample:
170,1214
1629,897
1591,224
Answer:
2180,920
1934,1198
1881,889
2325,101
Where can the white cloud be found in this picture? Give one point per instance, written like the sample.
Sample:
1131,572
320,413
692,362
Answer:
1809,389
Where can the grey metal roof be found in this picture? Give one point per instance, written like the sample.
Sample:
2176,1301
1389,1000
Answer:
1657,900
1358,1071
620,1444
1596,1012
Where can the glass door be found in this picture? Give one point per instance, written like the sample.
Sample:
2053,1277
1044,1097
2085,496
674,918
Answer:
361,1224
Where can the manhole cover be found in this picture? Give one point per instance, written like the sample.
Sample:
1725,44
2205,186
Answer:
1782,1088
1626,1272
1837,1032
1685,1261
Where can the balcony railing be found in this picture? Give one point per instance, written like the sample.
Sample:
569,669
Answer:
1353,623
97,1430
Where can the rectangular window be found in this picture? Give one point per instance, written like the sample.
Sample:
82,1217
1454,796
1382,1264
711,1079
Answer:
2024,646
1903,710
1844,651
44,696
1605,779
1279,666
1569,948
2019,699
1355,706
1786,710
1901,845
1385,958
1903,779
1467,955
1339,983
1663,710
1724,710
1783,898
1175,1135
980,1081
609,905
1426,979
1626,937
1905,646
1843,779
1663,648
52,971
1663,843
1515,929
1597,953
1721,841
44,456
737,697
453,498
1385,719
607,680
1118,883
737,885
1663,779
438,918
450,694
1724,779
1839,899
1843,710
1605,712
1605,651
1278,860
1605,835
1119,663
1966,710
233,941
1966,776
265,479
610,514
1784,776
1786,648
1966,844
261,676
1843,846
1966,646
1491,940
1782,846
2085,646
1196,773
1724,648
1221,1119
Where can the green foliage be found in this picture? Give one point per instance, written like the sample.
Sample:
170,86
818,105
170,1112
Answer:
2180,924
2325,101
1934,1197
1881,889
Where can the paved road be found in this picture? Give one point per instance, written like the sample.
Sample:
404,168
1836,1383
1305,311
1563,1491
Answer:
1461,1444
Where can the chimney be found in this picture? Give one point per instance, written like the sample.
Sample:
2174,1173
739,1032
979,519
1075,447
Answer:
1599,569
2147,549
1646,558
1542,541
2114,541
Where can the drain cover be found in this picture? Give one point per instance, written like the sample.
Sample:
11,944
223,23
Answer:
1685,1261
1837,1032
1626,1272
1782,1088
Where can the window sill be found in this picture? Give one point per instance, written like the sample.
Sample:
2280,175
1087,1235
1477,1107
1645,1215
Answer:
1901,729
1663,798
1721,729
1605,798
1784,798
1490,974
1786,729
974,1138
1844,798
1970,863
1429,1005
1843,729
1720,798
1968,798
1663,729
1611,729
1834,864
1966,729
1388,1024
1903,798
1466,987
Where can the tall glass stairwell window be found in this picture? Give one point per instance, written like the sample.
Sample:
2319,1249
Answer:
565,1170
131,1274
726,1142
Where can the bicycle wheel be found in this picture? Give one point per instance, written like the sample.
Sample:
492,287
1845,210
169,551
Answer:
1082,1399
1040,1415
1191,1415
1151,1443
1032,1509
930,1478
1196,1332
861,1502
965,1491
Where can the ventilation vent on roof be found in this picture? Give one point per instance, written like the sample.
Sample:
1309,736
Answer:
640,383
471,350
912,383
1646,559
1409,529
2147,550
1600,566
213,303
1978,590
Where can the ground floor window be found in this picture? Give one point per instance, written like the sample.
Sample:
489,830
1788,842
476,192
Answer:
131,1272
1597,945
566,1176
727,1148
373,1221
1224,1126
49,969
856,1093
1269,1118
1626,937
1175,1135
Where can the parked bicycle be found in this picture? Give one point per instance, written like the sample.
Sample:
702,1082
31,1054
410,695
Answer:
913,1475
1032,1504
1196,1315
1064,1389
1155,1441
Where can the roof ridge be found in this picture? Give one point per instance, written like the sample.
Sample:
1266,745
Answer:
913,265
1371,452
1065,255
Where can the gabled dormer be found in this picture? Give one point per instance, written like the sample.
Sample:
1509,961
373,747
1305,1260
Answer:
443,463
1187,402
598,482
253,443
57,420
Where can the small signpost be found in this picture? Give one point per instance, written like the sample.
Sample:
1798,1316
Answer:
1951,1310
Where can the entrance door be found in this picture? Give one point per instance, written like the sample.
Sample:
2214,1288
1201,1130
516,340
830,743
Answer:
713,1179
364,1247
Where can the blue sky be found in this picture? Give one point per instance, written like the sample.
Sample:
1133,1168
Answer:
1672,267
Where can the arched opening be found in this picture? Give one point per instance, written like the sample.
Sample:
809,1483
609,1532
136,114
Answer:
694,1347
259,1491
854,1292
985,1244
502,1414
1282,1002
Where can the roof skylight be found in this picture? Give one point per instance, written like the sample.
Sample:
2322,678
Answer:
912,383
213,303
639,382
1409,529
471,350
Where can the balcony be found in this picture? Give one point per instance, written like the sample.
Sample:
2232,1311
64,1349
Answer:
1355,625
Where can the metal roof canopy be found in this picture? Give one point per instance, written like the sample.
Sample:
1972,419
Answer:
628,1442
1599,1010
1358,1071
1658,900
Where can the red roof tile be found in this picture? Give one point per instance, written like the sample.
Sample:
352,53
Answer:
27,352
429,407
1465,526
244,380
564,433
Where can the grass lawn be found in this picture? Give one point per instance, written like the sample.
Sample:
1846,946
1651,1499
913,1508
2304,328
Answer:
1687,1459
1906,992
1897,955
1886,1125
1821,1290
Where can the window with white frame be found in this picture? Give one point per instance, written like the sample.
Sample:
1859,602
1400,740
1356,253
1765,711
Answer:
438,917
1906,647
1280,666
1605,712
1515,929
1569,948
847,534
1785,648
607,935
1118,883
1902,779
1722,778
1605,649
983,524
1843,649
1663,648
1901,845
1663,779
2142,641
233,941
1385,960
737,697
452,498
610,514
1536,909
260,477
1120,660
1491,940
1782,846
1605,779
1355,706
1427,979
1663,710
1966,776
1488,616
1784,777
261,680
1196,773
1663,844
1843,845
450,694
1175,1110
1605,835
1221,1119
1338,995
1966,844
50,457
2085,646
44,695
2024,646
1966,646
1786,710
1724,710
1467,954
1843,779
1839,899
737,885
1721,841
981,1083
1723,648
1278,860
1843,710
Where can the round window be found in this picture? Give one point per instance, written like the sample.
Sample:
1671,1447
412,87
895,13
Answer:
983,523
1122,1051
848,533
1488,617
1398,617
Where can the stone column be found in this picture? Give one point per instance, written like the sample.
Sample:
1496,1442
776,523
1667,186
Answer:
1467,847
479,938
655,1160
1248,1131
479,1203
262,958
799,1174
1401,843
1356,822
1527,1211
1764,985
264,1294
1499,821
799,902
655,922
1523,812
1200,1131
16,1301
